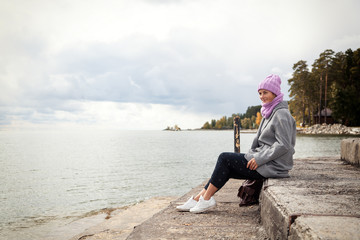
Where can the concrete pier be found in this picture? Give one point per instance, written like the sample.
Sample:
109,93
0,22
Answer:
226,221
350,150
321,200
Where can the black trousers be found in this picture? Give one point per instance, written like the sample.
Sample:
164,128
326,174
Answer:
231,165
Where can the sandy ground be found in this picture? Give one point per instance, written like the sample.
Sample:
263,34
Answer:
121,222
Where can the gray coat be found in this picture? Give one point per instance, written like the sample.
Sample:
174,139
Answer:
273,146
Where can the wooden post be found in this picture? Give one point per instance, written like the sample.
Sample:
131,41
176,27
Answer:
237,134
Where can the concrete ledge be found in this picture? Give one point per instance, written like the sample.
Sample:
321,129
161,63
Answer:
226,221
350,150
321,200
325,227
321,192
273,215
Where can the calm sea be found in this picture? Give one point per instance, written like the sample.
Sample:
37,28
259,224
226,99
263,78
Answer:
50,179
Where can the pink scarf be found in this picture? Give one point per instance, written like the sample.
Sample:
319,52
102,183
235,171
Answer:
267,108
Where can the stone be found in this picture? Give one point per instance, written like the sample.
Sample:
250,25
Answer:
350,150
336,129
320,194
325,227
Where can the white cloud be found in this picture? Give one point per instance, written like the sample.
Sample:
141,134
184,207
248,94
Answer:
183,58
345,42
134,83
109,115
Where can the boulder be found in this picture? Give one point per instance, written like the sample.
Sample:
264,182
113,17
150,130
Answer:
336,129
350,150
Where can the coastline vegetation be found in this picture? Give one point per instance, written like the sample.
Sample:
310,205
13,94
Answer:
329,93
249,120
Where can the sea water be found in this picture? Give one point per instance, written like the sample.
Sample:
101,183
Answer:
52,178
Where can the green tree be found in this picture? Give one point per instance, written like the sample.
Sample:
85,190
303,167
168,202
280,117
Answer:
251,111
317,73
334,81
206,126
301,87
346,88
246,123
327,57
230,122
321,71
253,122
221,123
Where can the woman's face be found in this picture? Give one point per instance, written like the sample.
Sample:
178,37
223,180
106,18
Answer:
266,96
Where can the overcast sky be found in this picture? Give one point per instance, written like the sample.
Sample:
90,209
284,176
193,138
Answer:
149,64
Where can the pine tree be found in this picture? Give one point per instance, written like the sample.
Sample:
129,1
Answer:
300,91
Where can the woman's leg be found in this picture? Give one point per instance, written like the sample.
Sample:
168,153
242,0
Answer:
210,191
229,165
206,193
196,198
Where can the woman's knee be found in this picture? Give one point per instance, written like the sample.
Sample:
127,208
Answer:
226,155
222,157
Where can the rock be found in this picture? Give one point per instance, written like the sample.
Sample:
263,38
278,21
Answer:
337,129
350,150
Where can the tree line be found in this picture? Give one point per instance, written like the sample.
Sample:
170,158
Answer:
328,93
249,120
332,85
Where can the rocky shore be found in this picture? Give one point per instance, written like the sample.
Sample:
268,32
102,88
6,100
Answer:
336,129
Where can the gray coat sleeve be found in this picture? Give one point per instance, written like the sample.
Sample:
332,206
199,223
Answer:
276,139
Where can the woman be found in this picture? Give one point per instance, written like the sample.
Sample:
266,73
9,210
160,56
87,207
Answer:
271,153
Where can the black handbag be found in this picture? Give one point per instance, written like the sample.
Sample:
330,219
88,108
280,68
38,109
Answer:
249,192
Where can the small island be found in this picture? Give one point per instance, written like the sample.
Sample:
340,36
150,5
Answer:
174,128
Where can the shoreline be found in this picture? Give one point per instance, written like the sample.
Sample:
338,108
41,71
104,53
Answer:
325,209
316,129
120,222
220,130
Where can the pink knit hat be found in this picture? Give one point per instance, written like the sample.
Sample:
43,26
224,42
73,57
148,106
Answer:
271,83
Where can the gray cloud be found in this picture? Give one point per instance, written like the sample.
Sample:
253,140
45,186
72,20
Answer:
161,72
204,58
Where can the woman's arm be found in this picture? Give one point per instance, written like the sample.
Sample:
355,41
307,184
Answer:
284,127
252,165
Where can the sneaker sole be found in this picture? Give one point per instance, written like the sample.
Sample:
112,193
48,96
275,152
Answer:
182,210
203,210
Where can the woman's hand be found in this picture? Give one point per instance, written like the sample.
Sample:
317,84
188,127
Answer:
252,165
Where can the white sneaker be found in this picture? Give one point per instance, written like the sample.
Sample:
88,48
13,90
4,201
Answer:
203,205
188,205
